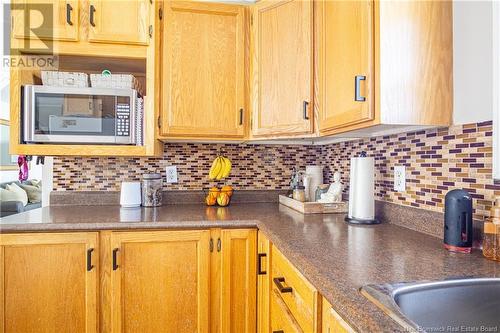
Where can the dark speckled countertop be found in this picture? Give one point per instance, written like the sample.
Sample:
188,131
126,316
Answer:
335,257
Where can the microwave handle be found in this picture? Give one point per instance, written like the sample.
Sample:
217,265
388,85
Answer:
28,116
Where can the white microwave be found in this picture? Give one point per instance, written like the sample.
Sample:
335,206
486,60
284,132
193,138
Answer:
72,115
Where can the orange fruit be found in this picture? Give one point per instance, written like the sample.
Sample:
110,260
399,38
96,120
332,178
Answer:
223,199
214,192
210,200
227,189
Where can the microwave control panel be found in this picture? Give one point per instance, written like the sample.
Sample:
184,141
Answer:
122,119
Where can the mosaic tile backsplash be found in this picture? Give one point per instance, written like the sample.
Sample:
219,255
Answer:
436,161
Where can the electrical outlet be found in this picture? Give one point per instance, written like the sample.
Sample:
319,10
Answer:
171,172
399,178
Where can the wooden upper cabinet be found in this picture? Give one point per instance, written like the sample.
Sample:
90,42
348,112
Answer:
122,21
159,281
45,19
345,38
203,91
415,61
48,282
282,67
238,281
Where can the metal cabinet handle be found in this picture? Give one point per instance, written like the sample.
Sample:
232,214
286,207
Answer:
241,116
357,94
282,289
91,19
89,260
68,14
259,263
115,264
211,245
305,106
219,244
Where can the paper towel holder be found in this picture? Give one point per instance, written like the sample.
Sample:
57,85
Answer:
353,220
361,201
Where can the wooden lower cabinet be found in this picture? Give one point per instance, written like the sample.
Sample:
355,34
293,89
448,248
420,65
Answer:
217,280
158,281
301,299
234,282
48,282
263,283
332,322
179,281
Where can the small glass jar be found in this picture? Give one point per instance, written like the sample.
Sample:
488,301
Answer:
491,240
152,188
299,193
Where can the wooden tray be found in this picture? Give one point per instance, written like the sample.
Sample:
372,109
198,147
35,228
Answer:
314,207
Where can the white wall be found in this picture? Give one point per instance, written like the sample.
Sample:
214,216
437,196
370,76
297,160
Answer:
496,90
472,61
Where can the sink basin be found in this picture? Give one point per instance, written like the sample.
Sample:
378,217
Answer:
460,305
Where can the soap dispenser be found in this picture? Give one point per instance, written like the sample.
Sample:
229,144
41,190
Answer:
458,221
491,241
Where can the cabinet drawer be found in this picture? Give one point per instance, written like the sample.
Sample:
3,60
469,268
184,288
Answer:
299,296
332,322
282,320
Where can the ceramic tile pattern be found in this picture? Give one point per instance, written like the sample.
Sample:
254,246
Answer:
254,167
436,161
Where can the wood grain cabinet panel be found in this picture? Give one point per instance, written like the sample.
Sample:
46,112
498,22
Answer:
263,283
402,54
203,92
332,322
345,63
160,281
48,282
282,319
122,21
238,280
301,299
282,61
45,19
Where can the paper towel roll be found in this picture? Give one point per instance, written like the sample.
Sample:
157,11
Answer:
315,174
361,188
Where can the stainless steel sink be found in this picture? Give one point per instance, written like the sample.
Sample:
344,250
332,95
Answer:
460,305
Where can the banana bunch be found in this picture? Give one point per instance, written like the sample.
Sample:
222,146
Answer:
221,167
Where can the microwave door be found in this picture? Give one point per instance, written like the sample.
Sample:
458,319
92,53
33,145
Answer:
83,115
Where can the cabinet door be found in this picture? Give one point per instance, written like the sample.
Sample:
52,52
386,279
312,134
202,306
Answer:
332,322
46,20
263,283
282,67
160,281
238,280
203,70
122,21
49,282
345,63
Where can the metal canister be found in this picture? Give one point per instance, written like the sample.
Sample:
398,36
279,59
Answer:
152,188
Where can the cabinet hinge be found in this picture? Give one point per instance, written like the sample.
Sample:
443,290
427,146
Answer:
211,245
151,31
159,122
160,13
